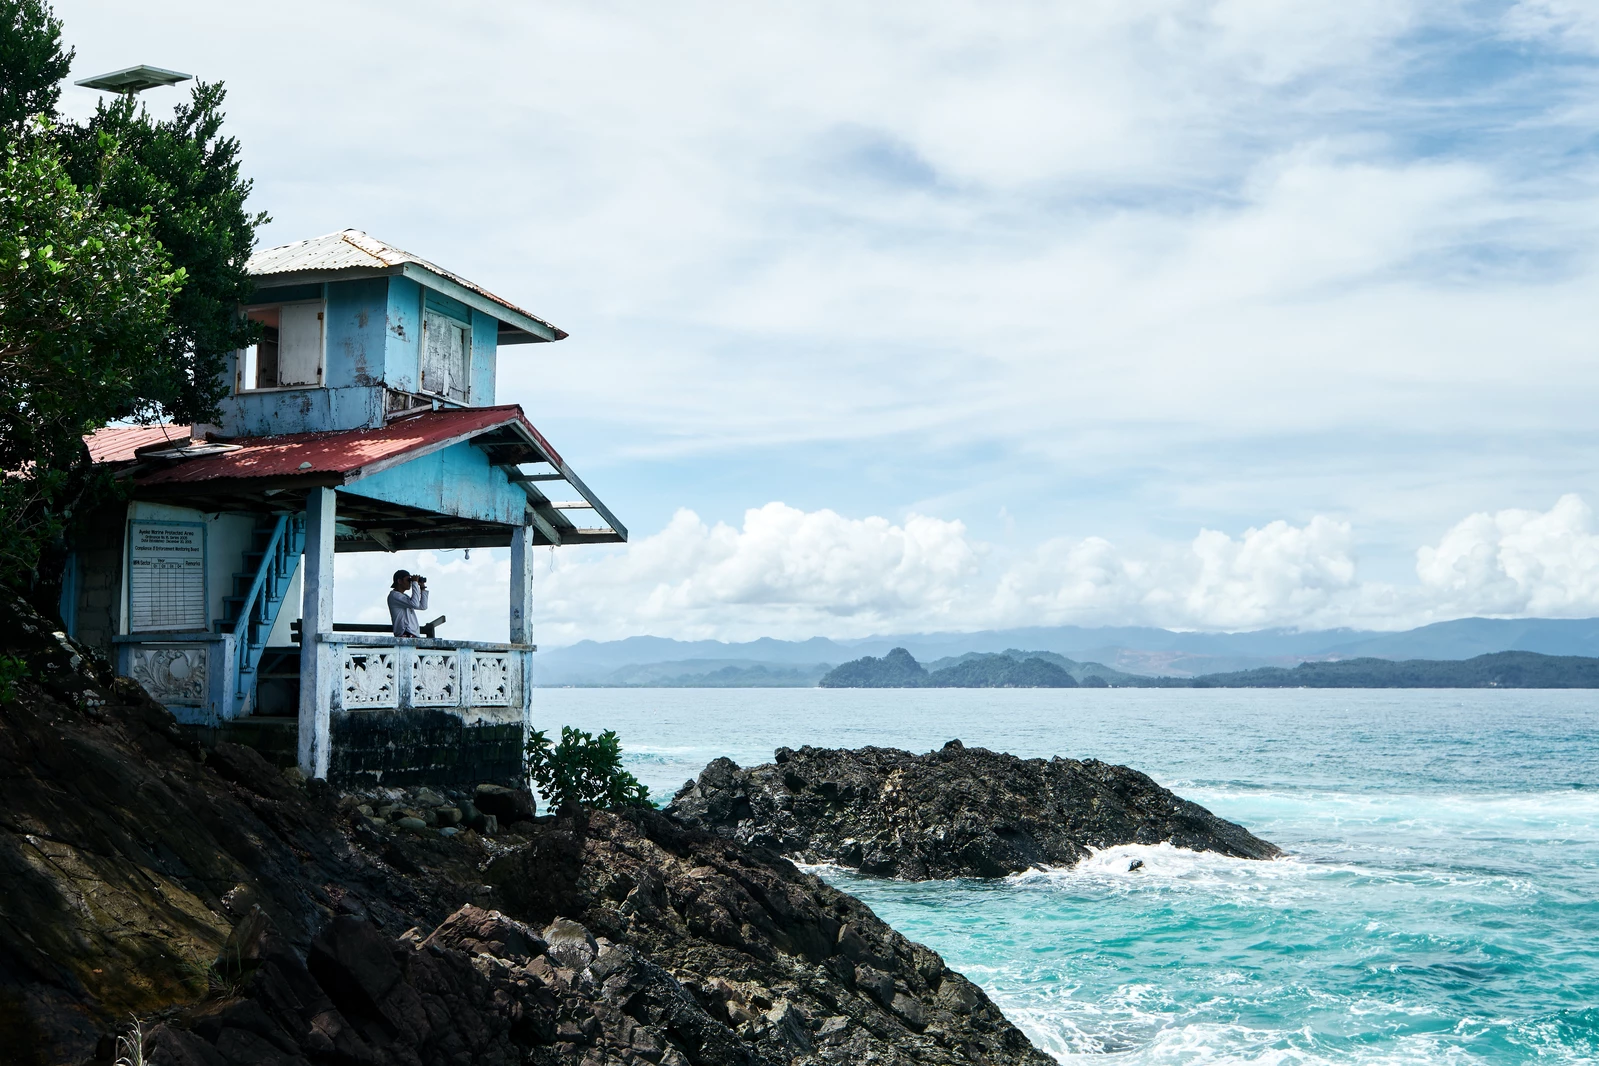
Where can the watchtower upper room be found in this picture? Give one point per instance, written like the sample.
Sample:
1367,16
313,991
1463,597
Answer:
355,331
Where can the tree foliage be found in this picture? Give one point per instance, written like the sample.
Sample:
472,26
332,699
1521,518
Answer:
582,771
122,267
32,62
186,170
84,298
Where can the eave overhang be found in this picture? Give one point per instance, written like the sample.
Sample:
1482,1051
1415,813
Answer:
272,474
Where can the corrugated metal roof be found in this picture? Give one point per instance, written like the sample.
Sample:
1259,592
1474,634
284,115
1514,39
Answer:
316,456
116,444
253,466
351,249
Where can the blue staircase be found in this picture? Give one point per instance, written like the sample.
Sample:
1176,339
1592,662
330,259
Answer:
258,592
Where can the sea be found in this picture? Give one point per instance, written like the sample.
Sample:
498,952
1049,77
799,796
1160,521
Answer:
1439,902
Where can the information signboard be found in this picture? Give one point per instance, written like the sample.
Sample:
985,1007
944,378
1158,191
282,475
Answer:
166,576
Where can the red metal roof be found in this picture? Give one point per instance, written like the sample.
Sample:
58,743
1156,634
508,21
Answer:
116,444
315,456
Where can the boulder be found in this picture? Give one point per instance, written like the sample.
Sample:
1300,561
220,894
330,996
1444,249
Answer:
506,804
570,944
956,812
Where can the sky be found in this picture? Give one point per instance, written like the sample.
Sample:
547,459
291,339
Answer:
910,317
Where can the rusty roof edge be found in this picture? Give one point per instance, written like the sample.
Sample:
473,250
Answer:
168,438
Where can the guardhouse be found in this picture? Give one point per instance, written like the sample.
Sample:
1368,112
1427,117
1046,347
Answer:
363,421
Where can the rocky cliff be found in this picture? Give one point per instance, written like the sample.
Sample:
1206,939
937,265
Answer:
957,812
245,917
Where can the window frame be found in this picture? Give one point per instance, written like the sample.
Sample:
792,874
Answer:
465,326
240,389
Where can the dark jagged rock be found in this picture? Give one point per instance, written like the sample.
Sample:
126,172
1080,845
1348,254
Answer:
783,965
958,812
249,918
507,804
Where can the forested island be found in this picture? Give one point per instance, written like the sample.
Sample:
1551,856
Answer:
1017,669
1012,669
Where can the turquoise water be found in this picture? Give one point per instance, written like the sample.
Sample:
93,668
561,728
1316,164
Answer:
1440,903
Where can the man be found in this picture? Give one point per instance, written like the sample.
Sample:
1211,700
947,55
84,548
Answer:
407,596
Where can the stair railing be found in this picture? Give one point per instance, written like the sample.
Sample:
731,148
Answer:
274,561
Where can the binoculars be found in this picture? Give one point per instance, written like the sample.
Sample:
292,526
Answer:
419,577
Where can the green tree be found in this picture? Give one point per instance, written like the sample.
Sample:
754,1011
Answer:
84,297
32,62
187,172
123,270
582,771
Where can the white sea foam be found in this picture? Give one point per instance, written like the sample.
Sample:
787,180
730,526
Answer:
1129,1029
821,869
1554,809
1165,864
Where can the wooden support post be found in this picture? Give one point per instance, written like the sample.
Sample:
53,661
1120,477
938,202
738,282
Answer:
316,665
522,585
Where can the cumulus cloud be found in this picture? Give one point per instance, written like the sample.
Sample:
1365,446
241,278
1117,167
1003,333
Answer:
795,574
1276,575
1516,562
783,572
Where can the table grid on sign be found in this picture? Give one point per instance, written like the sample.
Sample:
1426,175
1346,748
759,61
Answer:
174,595
166,576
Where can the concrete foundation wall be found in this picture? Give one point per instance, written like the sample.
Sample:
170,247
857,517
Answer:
423,747
99,549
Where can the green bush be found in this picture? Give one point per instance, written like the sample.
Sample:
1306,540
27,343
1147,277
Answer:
12,670
582,771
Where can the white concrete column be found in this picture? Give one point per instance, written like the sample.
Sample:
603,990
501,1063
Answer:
316,622
522,585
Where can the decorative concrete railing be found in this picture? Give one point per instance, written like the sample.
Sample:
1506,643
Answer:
417,710
191,673
392,673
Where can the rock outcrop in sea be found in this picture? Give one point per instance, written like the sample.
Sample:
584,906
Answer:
248,917
956,812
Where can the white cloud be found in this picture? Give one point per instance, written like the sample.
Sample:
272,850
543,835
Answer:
1224,259
1517,562
1571,23
1276,575
794,574
784,571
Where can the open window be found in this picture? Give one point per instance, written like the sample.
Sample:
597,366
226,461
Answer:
289,353
446,357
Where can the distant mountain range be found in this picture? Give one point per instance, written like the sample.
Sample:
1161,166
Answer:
1021,669
1136,650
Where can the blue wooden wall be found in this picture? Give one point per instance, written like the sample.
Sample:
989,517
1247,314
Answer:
373,334
458,480
403,336
354,333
